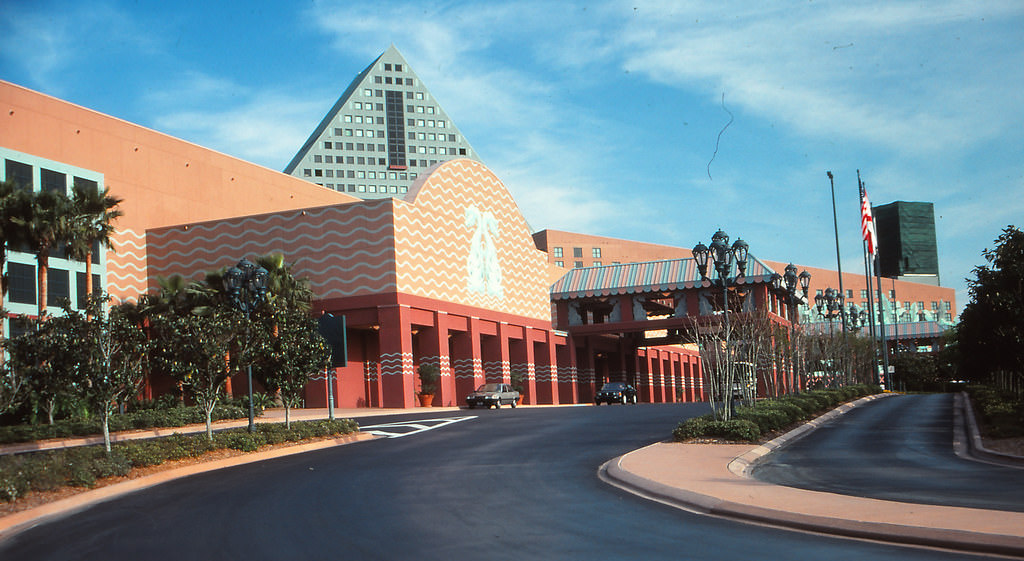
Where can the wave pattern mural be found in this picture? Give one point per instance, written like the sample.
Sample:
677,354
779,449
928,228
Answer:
345,250
126,265
463,240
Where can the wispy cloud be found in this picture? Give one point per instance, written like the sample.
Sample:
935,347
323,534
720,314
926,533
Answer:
265,127
828,69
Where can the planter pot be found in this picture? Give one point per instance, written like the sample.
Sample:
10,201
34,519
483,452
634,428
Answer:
426,399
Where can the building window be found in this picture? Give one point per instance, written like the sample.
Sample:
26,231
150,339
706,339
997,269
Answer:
560,263
58,287
367,93
97,290
577,252
863,294
21,279
306,172
935,305
557,251
597,263
53,181
595,253
578,264
398,68
19,173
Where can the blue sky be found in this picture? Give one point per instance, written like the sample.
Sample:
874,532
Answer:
601,117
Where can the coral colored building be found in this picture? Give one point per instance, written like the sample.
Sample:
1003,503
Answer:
447,274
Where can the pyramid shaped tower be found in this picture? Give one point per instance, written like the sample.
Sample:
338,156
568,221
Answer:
384,131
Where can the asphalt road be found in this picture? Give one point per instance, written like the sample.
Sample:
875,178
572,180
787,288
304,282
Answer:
505,484
898,449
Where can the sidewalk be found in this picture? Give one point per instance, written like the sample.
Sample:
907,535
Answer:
273,415
713,479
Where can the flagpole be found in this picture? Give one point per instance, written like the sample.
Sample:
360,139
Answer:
867,275
881,323
839,262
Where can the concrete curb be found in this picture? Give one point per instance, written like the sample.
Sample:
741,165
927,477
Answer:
613,473
743,465
972,447
14,523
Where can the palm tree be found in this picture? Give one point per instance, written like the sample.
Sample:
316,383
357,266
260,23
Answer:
45,224
13,202
93,213
285,292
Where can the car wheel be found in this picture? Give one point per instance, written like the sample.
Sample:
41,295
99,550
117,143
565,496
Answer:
634,400
497,404
513,404
622,399
472,405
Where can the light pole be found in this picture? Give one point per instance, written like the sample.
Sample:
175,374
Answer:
787,284
723,256
830,306
246,284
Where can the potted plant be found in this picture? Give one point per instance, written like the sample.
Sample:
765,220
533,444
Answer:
429,375
517,379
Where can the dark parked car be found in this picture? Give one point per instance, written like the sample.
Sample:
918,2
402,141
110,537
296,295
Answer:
615,392
493,394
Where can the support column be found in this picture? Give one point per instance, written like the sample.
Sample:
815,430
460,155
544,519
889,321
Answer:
546,384
434,350
587,372
396,358
467,364
522,364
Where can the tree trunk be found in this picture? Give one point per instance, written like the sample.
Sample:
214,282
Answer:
106,429
43,261
209,421
287,416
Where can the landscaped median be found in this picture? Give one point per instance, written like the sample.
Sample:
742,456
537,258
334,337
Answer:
749,424
83,466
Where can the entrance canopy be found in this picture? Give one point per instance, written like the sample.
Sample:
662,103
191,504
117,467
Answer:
648,277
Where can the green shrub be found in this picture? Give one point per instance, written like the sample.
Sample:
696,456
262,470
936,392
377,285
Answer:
706,427
767,419
83,466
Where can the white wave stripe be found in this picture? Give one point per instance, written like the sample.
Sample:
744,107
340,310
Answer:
186,238
265,219
211,257
141,236
547,374
120,253
382,269
127,276
113,265
302,259
444,209
358,290
524,369
567,374
467,368
396,364
415,240
441,362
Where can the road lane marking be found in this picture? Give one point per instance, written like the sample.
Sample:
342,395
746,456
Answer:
406,428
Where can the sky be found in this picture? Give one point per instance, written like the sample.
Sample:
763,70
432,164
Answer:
650,121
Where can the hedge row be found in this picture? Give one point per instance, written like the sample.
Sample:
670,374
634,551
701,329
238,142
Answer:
1001,412
82,466
749,423
142,419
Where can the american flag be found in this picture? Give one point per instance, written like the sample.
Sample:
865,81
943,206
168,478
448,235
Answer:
867,222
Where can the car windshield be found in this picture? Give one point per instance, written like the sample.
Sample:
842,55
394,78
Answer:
489,388
613,386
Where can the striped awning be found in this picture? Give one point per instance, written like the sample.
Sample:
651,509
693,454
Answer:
638,278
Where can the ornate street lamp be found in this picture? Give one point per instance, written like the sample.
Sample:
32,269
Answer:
246,285
787,284
723,257
830,305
